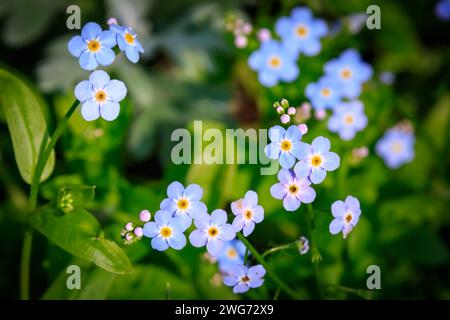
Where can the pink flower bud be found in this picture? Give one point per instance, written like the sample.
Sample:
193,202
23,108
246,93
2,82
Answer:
285,118
145,216
303,128
280,110
306,107
291,111
129,226
139,232
247,28
128,237
111,21
264,34
321,114
240,42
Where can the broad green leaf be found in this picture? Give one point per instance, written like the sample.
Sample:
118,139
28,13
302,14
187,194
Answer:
79,233
26,124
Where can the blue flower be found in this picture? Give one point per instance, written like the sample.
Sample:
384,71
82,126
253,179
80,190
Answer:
324,94
292,189
274,61
350,71
232,254
243,278
184,203
100,96
285,145
442,10
127,42
348,118
212,230
318,161
396,147
93,47
346,215
247,212
166,231
302,31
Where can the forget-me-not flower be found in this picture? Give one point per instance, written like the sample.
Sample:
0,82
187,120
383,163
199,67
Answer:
350,71
348,118
212,231
100,96
396,147
442,10
346,215
324,94
292,189
127,42
274,61
247,212
285,145
184,202
242,278
166,231
318,161
302,31
232,254
93,47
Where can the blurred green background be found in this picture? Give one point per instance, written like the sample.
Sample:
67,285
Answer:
192,71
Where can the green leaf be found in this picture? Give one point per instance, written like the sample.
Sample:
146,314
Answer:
75,196
26,125
79,233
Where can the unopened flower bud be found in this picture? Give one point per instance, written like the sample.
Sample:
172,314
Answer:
129,226
264,34
111,21
303,128
280,110
320,114
285,103
128,236
240,42
291,111
138,232
285,118
247,28
276,104
145,216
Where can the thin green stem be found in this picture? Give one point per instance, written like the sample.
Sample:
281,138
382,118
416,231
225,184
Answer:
277,294
261,260
275,249
44,154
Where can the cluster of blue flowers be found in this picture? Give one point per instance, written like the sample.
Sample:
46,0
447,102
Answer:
343,79
184,206
100,96
277,60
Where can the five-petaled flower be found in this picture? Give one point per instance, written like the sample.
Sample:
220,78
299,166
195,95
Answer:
166,231
302,30
346,215
396,147
324,94
285,145
127,42
184,203
212,230
100,96
247,212
274,61
232,254
93,47
242,278
292,189
347,119
318,161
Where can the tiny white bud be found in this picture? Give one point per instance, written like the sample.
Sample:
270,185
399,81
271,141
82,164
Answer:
303,128
285,118
291,111
129,226
111,21
139,232
240,42
145,216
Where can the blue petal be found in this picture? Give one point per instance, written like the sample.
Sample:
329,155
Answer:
258,214
248,229
83,91
193,192
257,271
250,199
99,79
302,169
307,195
290,72
338,209
352,203
168,204
121,42
321,145
332,161
202,221
287,160
196,208
272,150
256,60
198,238
293,133
150,229
285,176
283,26
317,175
319,27
255,283
159,243
116,90
182,222
227,232
230,281
105,56
278,191
90,30
300,150
291,203
336,226
238,223
240,288
214,246
90,110
175,190
301,14
88,61
76,46
276,133
312,49
177,240
219,217
138,45
132,54
163,217
267,78
107,39
110,110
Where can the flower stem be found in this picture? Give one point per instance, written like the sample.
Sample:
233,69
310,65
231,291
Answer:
44,154
275,249
261,260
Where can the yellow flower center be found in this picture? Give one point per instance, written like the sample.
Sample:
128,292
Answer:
348,218
293,189
397,147
349,119
301,31
129,38
94,45
285,145
100,96
275,62
231,253
248,214
316,161
165,232
213,232
326,92
346,73
183,204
